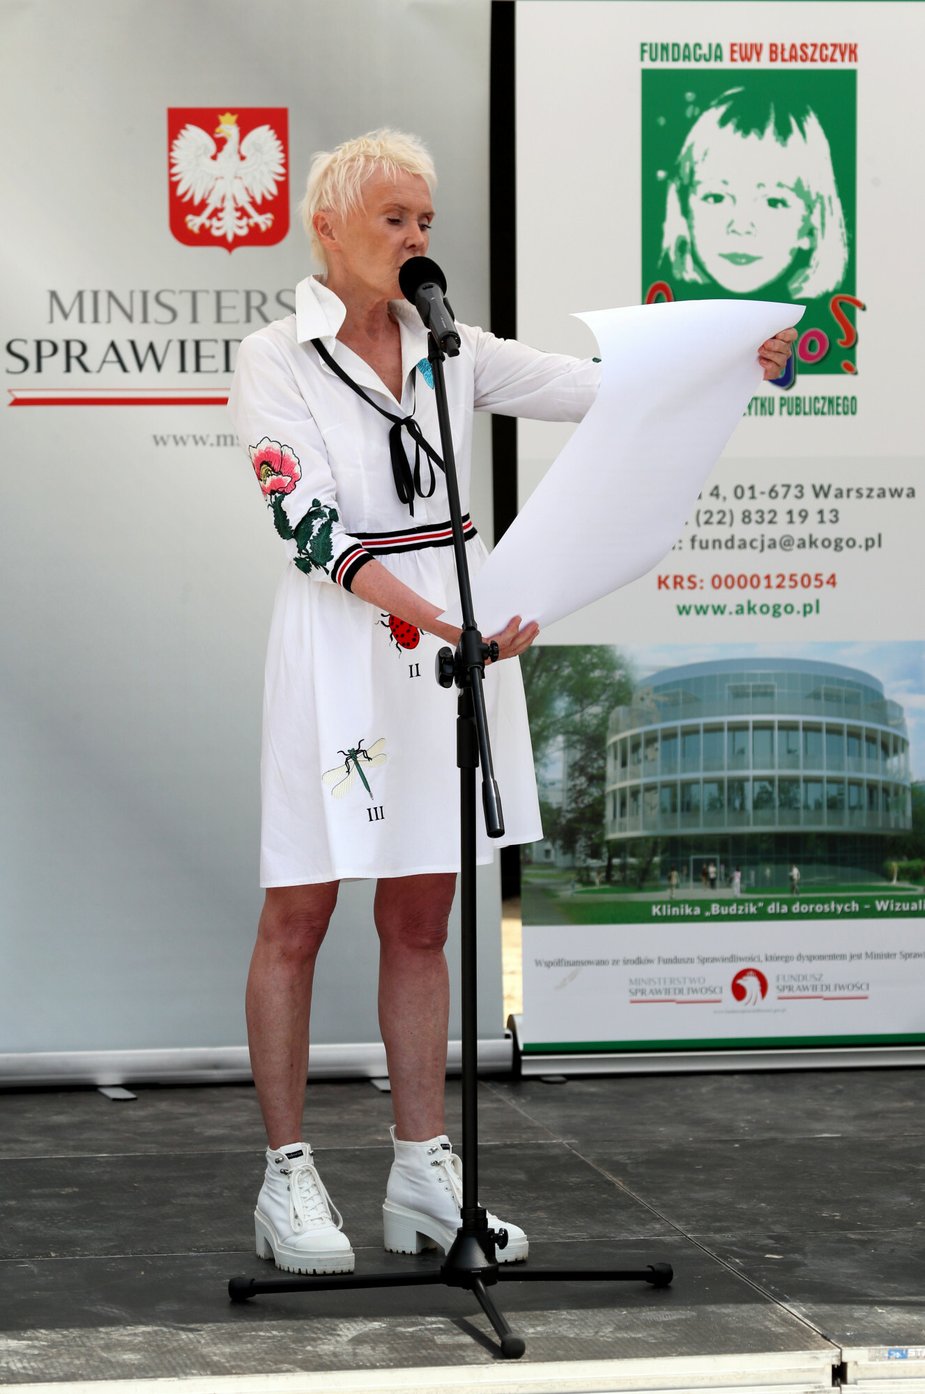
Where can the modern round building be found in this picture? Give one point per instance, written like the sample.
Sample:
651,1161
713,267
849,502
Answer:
758,764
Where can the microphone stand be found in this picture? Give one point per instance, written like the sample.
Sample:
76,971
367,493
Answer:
471,1261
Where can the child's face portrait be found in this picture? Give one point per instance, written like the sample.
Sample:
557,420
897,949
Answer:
747,221
750,190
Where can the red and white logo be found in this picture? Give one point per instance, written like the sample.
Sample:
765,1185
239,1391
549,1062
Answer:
750,987
229,177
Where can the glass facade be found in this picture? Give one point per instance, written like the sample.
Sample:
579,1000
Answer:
711,755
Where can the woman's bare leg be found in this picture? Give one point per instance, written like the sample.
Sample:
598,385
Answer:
278,1002
411,919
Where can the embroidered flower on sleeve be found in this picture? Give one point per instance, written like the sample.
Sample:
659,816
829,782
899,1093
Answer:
278,471
276,466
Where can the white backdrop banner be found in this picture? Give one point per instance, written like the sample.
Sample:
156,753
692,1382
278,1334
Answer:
138,564
742,726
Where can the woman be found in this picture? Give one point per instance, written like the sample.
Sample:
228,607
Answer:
358,767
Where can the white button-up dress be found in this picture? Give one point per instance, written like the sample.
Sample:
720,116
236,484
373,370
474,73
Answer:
358,771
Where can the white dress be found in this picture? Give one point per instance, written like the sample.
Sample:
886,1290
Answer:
358,770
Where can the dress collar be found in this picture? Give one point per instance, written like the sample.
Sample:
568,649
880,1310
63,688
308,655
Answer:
319,314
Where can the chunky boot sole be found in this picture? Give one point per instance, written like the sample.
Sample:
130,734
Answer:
407,1231
292,1260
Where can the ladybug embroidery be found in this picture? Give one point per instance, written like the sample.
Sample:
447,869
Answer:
404,635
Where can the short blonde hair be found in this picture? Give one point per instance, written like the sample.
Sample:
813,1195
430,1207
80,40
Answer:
336,177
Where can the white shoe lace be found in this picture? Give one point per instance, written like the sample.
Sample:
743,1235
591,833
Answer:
309,1203
449,1172
449,1175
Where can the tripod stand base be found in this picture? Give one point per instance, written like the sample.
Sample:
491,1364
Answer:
457,1272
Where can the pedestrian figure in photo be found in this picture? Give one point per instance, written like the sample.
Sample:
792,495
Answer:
794,879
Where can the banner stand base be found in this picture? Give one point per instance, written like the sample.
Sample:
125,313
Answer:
213,1064
532,1063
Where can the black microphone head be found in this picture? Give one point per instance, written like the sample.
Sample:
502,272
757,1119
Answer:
417,272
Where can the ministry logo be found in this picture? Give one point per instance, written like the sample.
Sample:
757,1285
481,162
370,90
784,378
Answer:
228,176
749,987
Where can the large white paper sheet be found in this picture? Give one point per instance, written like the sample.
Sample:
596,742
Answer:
675,380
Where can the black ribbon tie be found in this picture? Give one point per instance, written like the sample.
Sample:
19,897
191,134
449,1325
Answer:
408,481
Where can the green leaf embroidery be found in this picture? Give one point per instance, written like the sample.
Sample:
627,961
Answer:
313,537
280,520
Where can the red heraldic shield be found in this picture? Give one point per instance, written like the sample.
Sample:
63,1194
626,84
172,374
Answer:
228,176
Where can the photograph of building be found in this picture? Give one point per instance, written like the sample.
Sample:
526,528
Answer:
758,764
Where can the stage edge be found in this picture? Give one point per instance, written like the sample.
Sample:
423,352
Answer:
791,1372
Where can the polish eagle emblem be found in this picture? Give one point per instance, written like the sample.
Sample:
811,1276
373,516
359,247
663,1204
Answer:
226,184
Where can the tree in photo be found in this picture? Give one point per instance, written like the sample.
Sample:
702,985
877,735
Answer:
571,691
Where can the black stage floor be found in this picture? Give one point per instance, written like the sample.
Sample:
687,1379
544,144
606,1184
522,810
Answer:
789,1204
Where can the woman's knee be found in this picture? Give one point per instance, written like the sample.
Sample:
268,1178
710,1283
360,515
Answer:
414,914
414,934
295,919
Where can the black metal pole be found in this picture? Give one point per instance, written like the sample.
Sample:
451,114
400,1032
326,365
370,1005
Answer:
468,759
471,654
435,358
473,1250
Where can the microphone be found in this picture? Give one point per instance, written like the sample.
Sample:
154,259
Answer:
424,284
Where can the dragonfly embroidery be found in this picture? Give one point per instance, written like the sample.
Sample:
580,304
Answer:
341,779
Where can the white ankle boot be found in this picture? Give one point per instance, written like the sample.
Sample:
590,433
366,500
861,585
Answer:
423,1198
294,1223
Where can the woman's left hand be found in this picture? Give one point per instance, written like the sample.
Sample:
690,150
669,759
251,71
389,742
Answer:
513,640
774,353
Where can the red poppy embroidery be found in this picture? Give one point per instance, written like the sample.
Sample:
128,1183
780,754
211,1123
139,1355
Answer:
276,466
